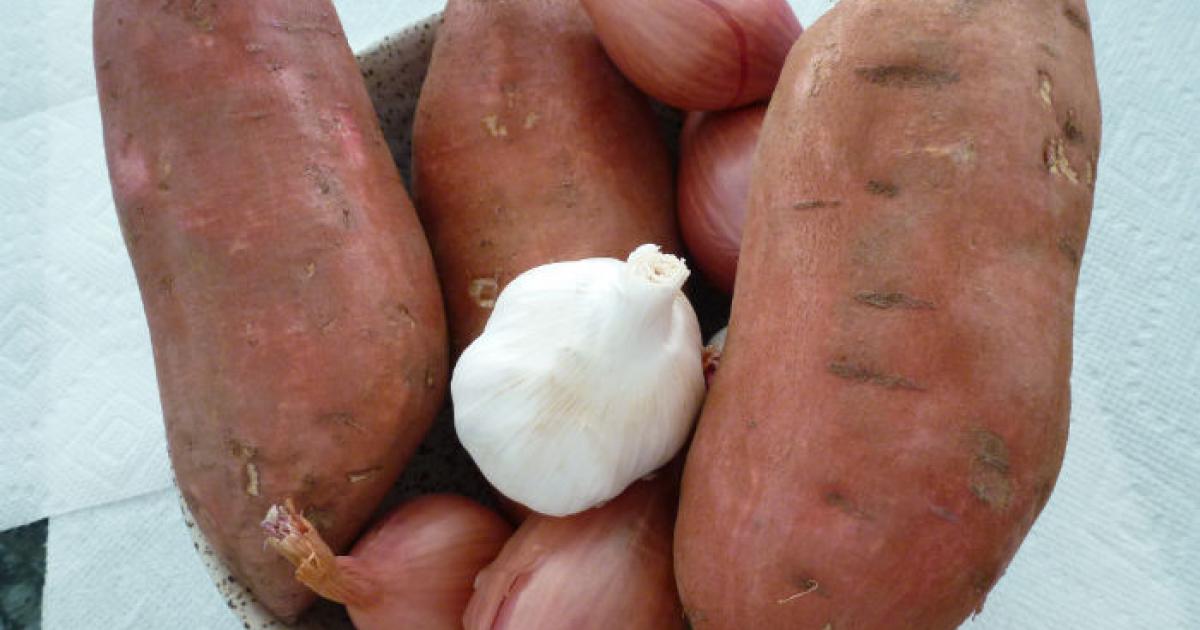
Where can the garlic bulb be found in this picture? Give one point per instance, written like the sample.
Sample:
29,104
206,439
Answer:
586,377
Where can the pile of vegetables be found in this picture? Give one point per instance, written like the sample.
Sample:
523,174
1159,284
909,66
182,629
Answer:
896,200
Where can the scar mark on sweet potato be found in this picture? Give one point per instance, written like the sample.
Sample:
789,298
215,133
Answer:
164,173
808,586
878,299
863,374
1071,130
1055,156
239,449
821,67
166,284
251,479
1077,20
882,188
1043,493
1067,246
815,204
359,476
292,28
989,480
342,418
484,291
943,513
1045,89
398,314
1050,51
907,76
495,128
200,15
982,580
429,380
835,498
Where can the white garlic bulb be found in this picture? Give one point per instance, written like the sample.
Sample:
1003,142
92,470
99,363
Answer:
586,377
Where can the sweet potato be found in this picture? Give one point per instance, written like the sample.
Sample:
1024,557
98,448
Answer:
529,148
919,205
298,332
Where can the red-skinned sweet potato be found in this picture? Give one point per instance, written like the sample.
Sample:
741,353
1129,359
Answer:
529,148
298,330
891,409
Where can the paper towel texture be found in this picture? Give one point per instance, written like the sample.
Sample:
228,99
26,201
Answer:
83,425
1117,547
128,564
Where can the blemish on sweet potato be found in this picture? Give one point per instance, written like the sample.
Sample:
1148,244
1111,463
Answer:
484,291
495,128
1067,246
341,418
906,76
164,173
1076,19
892,300
1071,130
882,188
867,375
399,315
252,479
989,480
836,499
201,15
815,204
294,29
822,67
807,587
943,513
961,153
359,476
166,284
1045,89
1055,156
969,8
240,449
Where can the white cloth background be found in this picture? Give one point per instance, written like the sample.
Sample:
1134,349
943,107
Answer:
82,442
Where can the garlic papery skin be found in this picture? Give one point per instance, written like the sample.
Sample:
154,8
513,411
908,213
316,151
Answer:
586,377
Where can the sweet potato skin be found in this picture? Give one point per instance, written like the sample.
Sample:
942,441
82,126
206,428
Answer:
297,326
529,147
919,206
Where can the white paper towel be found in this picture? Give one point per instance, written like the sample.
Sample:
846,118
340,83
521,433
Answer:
77,382
1116,548
128,564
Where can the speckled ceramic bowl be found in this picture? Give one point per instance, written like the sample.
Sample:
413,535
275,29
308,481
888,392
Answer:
394,70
